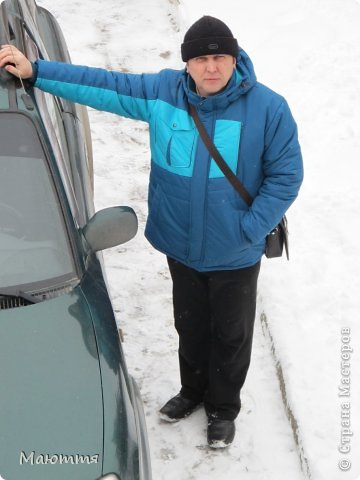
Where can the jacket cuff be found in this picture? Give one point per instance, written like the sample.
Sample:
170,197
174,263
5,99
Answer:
35,69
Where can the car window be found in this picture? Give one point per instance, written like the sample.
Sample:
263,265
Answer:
50,112
34,245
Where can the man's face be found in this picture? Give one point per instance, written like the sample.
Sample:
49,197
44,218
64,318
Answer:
211,73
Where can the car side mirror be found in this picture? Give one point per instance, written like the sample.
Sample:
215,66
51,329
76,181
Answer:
110,227
109,476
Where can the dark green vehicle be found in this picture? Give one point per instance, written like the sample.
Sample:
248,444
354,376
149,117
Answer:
69,410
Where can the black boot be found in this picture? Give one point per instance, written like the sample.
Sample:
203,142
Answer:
177,407
220,433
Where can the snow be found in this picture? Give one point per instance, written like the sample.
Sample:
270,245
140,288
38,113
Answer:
309,52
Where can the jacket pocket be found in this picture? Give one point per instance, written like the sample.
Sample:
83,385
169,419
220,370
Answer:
174,142
181,146
226,241
168,223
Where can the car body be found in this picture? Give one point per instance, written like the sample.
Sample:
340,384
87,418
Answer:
69,410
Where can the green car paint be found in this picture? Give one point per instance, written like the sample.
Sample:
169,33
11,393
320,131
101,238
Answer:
47,406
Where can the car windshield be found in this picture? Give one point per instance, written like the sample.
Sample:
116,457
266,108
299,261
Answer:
34,245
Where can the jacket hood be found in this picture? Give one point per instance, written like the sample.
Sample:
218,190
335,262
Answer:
245,68
242,80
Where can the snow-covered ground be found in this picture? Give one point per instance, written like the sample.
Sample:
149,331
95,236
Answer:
309,52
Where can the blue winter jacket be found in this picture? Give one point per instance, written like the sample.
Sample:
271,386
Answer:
195,215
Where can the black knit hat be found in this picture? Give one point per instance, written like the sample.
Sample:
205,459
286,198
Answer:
208,36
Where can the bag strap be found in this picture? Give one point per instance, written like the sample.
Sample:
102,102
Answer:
215,154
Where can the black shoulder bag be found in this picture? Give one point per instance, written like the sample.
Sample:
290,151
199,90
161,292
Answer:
278,238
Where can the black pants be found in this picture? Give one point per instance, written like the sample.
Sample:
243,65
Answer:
214,317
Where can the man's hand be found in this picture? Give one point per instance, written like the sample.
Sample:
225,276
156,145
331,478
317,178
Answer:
15,62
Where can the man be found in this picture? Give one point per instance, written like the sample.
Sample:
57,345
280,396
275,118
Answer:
213,241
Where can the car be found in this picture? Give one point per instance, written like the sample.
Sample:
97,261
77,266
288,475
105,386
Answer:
69,409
